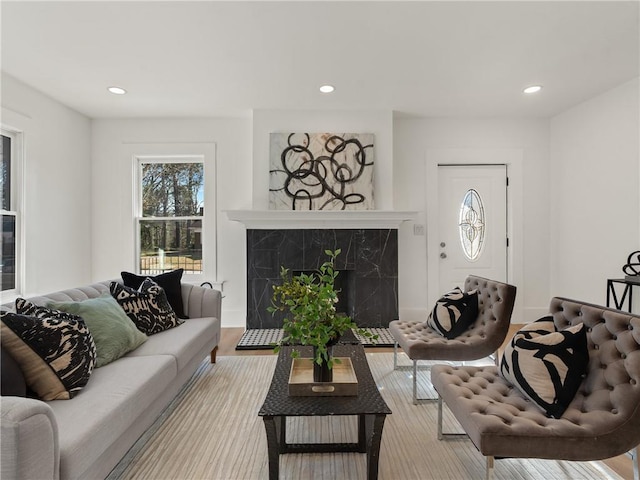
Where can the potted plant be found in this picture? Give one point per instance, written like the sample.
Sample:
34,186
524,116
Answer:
310,303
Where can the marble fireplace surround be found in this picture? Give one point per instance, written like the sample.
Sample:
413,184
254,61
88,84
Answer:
368,263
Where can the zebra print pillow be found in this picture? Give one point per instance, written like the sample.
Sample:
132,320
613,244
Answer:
454,312
547,365
148,307
55,350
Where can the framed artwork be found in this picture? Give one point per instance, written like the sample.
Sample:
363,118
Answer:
321,171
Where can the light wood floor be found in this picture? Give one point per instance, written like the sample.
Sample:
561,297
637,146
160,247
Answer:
622,464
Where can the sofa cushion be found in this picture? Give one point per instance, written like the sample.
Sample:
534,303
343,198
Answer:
115,398
180,343
454,312
547,365
169,281
56,355
113,332
148,306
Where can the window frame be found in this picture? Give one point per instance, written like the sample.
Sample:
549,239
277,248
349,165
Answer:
169,153
16,208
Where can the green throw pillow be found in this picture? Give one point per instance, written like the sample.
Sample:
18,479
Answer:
113,331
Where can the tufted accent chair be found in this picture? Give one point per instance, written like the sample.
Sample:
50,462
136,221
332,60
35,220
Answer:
602,421
483,338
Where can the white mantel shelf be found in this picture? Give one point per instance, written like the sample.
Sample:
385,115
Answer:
336,219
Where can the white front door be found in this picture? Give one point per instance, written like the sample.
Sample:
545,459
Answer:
472,226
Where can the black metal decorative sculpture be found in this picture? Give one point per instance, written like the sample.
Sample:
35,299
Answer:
632,267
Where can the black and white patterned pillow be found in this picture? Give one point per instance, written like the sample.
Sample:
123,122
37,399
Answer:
454,312
55,350
170,281
547,365
25,307
148,307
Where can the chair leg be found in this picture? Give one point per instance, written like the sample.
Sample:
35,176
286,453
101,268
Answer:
445,436
414,367
415,382
416,400
490,465
440,437
395,356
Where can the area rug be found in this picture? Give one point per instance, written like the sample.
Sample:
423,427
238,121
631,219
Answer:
213,432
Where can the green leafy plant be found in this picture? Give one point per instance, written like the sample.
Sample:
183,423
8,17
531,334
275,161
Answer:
310,303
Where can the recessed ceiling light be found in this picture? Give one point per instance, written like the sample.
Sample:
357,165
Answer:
327,88
117,90
533,89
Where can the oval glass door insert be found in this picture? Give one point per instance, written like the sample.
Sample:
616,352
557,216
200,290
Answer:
471,225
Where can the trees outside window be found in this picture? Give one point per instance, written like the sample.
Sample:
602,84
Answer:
171,216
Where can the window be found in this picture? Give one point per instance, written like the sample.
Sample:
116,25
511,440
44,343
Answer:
472,225
10,241
170,214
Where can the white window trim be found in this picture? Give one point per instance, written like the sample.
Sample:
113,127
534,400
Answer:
17,204
180,153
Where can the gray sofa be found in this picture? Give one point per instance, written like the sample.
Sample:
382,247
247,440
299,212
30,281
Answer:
87,436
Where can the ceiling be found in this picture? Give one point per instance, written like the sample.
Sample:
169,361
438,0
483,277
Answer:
426,58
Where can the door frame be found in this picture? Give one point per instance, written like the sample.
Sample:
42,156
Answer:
513,159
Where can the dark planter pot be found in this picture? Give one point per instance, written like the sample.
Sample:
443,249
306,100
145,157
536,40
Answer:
322,372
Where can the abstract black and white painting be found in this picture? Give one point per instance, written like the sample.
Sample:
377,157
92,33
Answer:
321,171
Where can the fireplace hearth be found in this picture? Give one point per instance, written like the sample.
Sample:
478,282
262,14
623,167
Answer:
368,265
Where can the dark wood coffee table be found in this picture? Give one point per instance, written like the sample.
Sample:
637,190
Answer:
368,405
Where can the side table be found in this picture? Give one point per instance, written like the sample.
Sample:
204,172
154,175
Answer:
626,294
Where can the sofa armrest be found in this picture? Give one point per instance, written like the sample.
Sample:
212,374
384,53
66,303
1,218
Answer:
201,302
29,439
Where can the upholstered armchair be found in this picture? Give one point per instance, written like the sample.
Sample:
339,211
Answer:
481,339
601,421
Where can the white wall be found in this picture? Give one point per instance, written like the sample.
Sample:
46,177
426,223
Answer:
595,172
578,190
529,139
113,229
242,146
57,213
